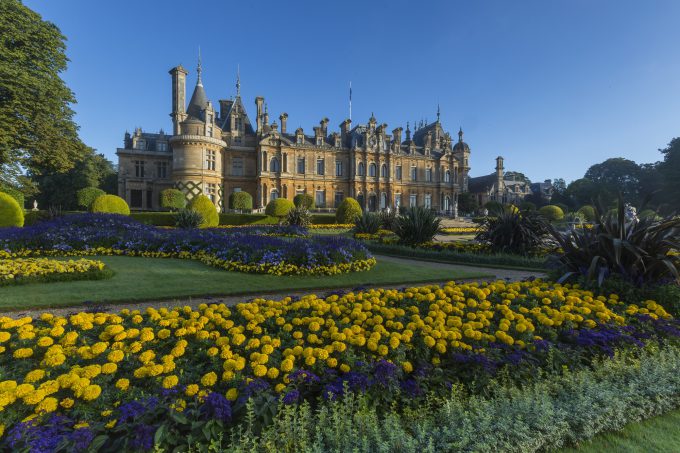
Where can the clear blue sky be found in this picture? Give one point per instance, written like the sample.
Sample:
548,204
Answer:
553,86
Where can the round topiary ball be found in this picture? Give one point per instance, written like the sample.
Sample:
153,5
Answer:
204,206
110,204
242,201
551,212
11,214
587,212
279,207
303,200
87,196
348,211
172,199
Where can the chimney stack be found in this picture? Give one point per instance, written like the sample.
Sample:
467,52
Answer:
259,102
284,120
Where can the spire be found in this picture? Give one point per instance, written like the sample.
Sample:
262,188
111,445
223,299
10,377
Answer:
460,134
238,80
438,112
199,69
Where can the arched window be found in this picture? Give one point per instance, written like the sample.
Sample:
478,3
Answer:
360,169
372,170
274,195
383,171
383,200
264,161
447,176
274,166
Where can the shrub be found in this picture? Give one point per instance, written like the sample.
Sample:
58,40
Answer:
172,199
493,207
279,207
304,200
86,196
11,214
348,211
388,219
155,218
247,219
527,206
417,225
514,232
241,201
648,213
641,252
299,216
205,207
188,219
368,223
562,206
588,212
110,204
14,193
552,212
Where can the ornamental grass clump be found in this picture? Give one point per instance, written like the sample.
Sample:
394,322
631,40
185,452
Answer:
511,231
417,225
640,251
368,223
299,216
188,219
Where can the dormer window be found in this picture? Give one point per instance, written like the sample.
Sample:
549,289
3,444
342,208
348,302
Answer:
238,124
141,144
447,176
319,141
299,140
160,146
210,118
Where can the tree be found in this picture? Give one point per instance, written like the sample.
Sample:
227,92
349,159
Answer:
467,202
37,130
559,185
669,171
582,191
616,175
516,176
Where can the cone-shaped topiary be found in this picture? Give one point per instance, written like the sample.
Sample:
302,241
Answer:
552,212
279,207
87,196
242,201
348,211
11,214
204,206
110,204
303,200
173,199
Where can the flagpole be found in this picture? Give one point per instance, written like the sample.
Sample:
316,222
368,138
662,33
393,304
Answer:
350,100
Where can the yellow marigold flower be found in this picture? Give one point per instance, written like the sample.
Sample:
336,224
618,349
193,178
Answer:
232,394
191,390
23,390
146,335
23,353
116,356
109,368
34,397
34,376
272,373
209,379
170,381
407,367
213,351
47,405
111,424
123,384
260,370
345,368
4,336
92,392
280,388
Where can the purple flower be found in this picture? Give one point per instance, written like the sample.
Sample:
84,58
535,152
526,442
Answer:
291,397
81,438
216,406
304,376
143,437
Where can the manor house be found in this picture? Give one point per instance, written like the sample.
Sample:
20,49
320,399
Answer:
217,150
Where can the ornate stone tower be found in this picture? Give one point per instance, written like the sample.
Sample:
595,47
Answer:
197,145
179,79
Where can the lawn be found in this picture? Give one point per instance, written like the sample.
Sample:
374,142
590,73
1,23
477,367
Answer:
138,279
658,434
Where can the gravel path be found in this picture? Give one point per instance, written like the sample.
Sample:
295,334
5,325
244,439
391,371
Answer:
500,274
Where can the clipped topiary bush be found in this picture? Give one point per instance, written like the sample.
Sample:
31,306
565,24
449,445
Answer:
206,208
551,212
172,199
241,201
87,196
11,214
304,200
110,204
493,207
587,212
14,193
348,211
527,206
279,207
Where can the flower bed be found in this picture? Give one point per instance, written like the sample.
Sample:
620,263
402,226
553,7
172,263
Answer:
460,230
98,234
28,270
122,375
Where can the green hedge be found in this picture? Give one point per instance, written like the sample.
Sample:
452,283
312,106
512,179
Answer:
155,218
168,219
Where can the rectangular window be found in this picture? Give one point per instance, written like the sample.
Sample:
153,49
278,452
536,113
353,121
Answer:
320,166
139,168
211,192
237,166
135,198
319,141
161,146
397,201
413,199
301,165
339,196
149,199
285,163
320,198
210,160
428,201
161,169
238,124
237,189
338,168
237,140
209,133
141,144
428,175
398,172
414,173
210,117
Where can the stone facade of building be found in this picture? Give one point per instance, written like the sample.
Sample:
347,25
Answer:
496,187
216,150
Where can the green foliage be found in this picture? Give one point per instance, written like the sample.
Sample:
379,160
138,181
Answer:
388,219
551,212
348,211
188,219
493,207
641,252
467,202
247,219
279,207
154,218
111,204
241,201
32,217
38,130
11,214
588,212
666,295
14,193
305,200
527,206
613,176
520,233
87,196
205,207
299,216
368,223
417,225
172,199
648,213
669,175
562,206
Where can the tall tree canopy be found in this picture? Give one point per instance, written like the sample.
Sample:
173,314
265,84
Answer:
37,131
669,169
613,176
